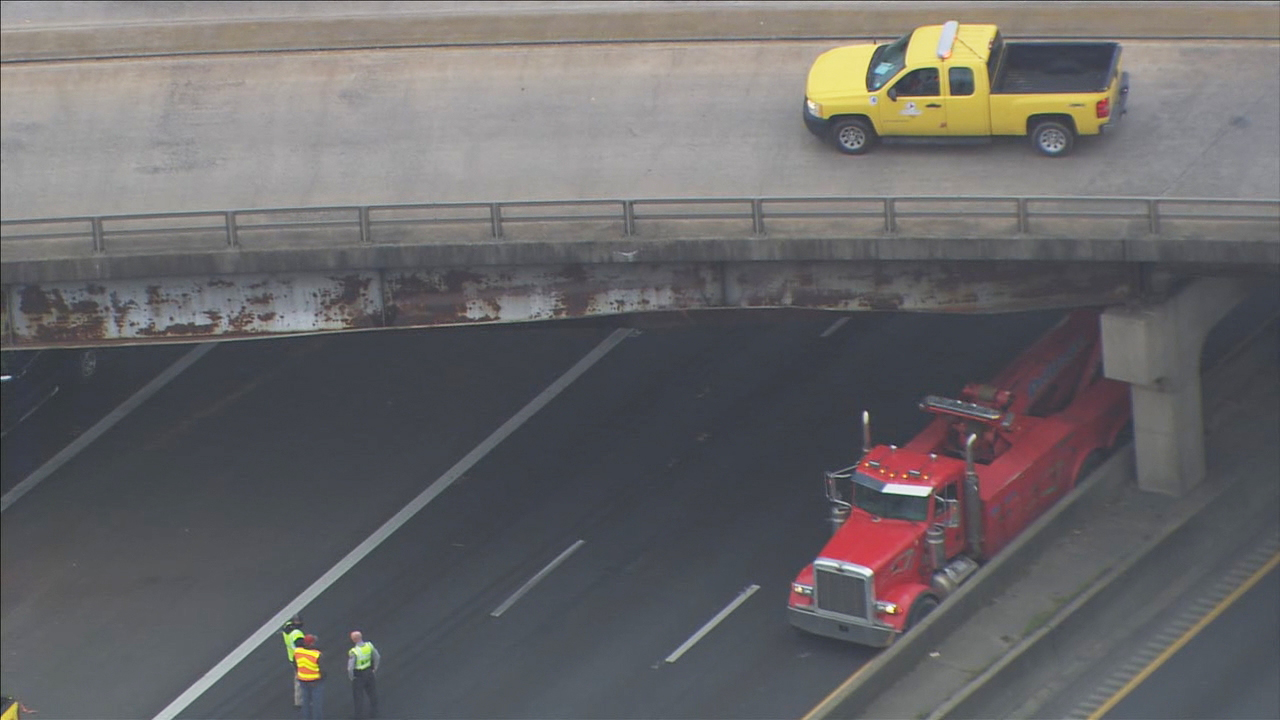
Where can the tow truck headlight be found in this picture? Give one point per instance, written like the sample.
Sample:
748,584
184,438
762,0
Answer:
887,608
814,108
806,590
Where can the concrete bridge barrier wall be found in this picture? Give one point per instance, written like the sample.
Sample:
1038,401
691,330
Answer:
125,29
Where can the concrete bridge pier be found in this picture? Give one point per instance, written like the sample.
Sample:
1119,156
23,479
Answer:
1157,348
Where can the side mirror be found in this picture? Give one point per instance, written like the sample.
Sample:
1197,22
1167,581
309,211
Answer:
893,94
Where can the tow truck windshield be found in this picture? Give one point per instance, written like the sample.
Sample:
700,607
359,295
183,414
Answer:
886,61
888,501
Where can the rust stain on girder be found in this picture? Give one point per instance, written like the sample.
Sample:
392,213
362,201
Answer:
257,306
55,319
515,294
457,280
35,301
346,306
178,330
120,311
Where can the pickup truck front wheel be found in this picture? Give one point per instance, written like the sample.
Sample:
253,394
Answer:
1052,138
853,136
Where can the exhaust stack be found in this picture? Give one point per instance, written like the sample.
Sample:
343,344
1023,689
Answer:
973,509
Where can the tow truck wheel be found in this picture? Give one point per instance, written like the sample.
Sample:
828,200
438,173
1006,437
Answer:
1052,138
853,136
920,609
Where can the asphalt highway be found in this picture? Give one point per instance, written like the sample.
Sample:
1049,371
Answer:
573,122
1228,670
674,478
687,460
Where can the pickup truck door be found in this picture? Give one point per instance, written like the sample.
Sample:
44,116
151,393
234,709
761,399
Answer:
967,102
914,105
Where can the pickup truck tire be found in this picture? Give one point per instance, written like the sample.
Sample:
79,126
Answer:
1052,138
853,136
922,607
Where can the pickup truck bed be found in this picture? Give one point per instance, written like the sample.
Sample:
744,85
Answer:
1053,67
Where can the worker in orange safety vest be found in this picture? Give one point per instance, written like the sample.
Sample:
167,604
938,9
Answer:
307,658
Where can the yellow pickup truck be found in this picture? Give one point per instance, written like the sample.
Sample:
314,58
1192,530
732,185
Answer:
962,82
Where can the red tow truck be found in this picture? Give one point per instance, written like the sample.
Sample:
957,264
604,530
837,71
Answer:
912,523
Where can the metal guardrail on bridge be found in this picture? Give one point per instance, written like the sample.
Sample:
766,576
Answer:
777,217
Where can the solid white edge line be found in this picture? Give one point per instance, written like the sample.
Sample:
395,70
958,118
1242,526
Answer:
104,424
835,326
271,626
742,597
535,579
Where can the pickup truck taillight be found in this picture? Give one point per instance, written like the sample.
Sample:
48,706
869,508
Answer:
1104,108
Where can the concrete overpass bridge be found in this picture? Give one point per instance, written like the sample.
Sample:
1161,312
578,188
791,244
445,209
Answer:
256,273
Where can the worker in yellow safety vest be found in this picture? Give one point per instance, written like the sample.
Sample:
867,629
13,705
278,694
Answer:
307,658
362,667
292,632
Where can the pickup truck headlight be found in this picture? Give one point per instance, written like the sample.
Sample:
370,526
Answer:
799,589
813,108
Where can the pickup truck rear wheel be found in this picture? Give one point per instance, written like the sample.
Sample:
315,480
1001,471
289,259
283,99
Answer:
1052,138
853,136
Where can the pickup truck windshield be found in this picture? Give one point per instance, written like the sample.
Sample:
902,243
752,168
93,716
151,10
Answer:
886,62
889,505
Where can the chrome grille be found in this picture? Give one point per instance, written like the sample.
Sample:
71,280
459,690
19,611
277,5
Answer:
840,592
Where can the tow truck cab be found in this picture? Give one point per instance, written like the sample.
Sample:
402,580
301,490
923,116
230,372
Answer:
910,524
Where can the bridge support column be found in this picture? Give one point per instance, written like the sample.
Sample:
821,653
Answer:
1156,348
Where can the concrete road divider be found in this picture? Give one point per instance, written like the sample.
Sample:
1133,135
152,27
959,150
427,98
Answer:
347,25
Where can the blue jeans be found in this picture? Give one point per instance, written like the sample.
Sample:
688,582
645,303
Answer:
312,700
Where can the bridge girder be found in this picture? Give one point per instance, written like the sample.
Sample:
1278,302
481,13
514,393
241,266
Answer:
226,307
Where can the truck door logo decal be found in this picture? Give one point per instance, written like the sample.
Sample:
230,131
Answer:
910,109
874,99
902,563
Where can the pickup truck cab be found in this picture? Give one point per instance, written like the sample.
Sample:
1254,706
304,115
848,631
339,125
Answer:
959,83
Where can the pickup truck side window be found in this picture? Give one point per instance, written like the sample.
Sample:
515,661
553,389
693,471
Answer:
919,83
961,79
887,61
